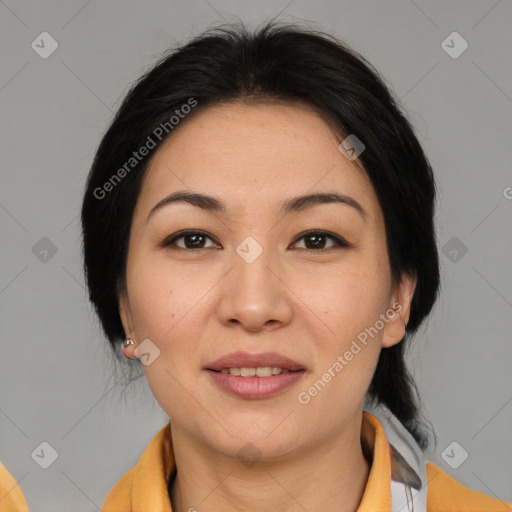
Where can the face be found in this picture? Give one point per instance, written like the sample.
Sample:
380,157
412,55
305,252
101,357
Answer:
263,283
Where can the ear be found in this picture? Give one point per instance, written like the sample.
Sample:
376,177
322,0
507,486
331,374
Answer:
400,303
125,312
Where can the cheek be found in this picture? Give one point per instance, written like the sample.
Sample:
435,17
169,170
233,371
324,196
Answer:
166,305
348,301
349,349
161,296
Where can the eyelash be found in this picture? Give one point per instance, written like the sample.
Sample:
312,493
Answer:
169,241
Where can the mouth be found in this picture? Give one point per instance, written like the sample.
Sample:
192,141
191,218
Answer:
254,376
259,371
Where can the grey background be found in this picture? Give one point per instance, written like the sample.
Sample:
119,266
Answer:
57,382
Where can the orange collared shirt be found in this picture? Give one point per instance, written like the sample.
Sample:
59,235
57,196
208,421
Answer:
11,496
144,487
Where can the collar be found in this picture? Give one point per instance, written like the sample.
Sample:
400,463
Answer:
144,488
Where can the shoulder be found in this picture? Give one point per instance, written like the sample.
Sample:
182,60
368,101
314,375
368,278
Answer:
120,495
445,494
11,496
144,487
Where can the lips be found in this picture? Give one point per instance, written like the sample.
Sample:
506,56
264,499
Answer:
240,374
247,360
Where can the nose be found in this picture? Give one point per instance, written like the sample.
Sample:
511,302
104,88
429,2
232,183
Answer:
255,295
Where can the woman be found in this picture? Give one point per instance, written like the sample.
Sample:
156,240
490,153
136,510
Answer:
258,227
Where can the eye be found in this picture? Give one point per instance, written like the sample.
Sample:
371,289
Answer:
192,240
315,240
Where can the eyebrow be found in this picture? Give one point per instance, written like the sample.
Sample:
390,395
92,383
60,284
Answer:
295,204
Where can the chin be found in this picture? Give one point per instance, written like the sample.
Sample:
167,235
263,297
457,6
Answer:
250,449
272,436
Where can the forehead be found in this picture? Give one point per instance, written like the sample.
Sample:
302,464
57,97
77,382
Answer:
258,154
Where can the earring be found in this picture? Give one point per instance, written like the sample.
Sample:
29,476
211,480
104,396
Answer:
126,343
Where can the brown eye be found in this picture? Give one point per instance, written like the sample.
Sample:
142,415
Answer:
191,240
316,241
195,240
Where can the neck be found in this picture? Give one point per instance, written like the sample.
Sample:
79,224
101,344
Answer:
331,475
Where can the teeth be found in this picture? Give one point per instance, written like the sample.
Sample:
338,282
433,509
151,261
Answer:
260,371
264,371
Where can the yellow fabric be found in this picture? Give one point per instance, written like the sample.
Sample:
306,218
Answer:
144,488
447,495
11,497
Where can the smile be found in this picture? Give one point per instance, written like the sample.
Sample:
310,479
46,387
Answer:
250,386
260,371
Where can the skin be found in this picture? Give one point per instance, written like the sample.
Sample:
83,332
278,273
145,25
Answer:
197,306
